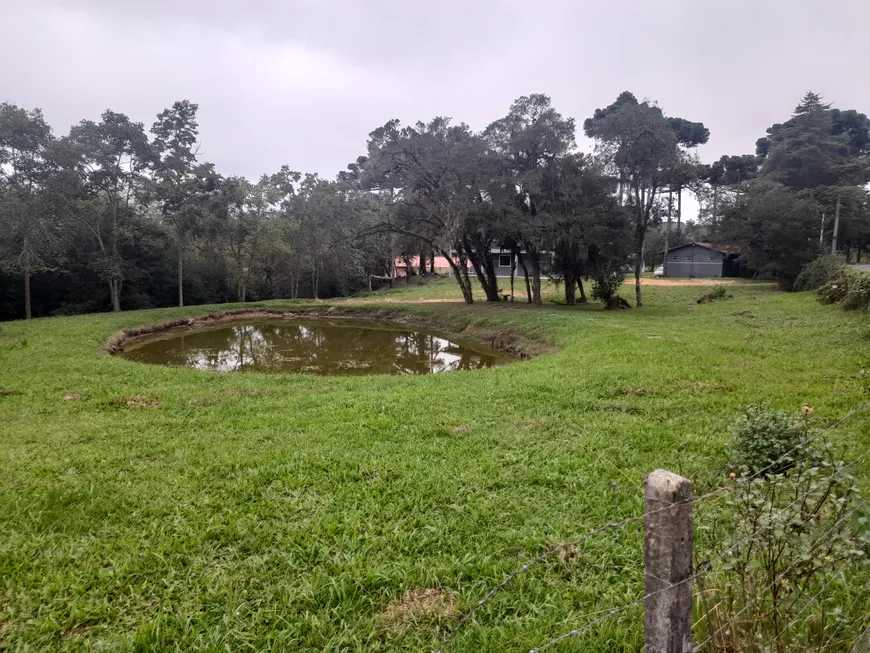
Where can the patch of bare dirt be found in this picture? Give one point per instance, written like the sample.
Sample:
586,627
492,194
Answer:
133,401
420,607
8,392
638,392
82,629
701,385
72,396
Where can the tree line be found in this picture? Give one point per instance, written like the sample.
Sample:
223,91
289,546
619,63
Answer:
112,216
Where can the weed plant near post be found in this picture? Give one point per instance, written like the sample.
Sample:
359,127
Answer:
797,529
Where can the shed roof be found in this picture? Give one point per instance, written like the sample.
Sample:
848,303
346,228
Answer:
722,249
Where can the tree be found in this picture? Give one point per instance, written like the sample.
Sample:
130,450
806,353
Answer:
25,169
114,158
643,148
774,227
178,181
591,229
529,142
820,149
437,179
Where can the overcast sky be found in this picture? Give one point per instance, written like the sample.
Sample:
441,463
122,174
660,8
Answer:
303,82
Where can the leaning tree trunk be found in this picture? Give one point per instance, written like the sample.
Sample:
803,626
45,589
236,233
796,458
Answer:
461,275
526,276
583,299
836,225
487,280
481,261
466,286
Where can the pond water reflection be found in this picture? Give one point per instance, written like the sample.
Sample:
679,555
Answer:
318,347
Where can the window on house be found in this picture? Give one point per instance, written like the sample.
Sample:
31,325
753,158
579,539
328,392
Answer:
504,260
688,258
674,257
712,258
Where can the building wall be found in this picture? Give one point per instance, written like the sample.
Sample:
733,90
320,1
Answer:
505,270
694,261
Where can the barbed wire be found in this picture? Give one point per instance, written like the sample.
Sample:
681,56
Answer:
624,522
759,595
561,547
840,521
846,516
840,625
704,567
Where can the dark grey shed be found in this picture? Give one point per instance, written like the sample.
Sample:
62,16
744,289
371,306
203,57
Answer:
702,260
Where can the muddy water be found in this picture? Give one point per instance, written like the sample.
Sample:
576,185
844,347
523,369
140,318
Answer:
317,347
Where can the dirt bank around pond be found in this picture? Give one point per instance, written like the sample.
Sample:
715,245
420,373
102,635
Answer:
452,326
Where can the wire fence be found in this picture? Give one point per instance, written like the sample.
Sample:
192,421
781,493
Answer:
712,643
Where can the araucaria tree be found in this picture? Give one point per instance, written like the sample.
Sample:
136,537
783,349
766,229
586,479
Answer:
811,174
644,149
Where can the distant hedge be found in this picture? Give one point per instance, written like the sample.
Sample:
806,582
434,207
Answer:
851,289
819,272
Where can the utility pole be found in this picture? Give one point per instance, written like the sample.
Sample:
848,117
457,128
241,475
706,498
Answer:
679,209
668,230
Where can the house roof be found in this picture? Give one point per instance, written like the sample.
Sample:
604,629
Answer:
722,249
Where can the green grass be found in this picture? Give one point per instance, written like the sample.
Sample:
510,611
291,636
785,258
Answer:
268,513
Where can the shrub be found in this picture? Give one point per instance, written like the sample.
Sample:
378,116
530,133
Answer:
718,292
607,277
784,540
766,442
832,293
819,272
851,289
857,290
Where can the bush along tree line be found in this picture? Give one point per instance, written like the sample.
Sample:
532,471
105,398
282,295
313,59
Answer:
115,216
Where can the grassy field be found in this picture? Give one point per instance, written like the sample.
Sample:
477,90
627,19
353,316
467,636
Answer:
169,509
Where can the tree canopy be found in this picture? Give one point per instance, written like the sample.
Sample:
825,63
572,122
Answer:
114,216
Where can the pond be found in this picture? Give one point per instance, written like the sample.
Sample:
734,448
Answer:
318,347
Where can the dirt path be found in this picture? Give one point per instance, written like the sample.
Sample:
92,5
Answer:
629,283
446,300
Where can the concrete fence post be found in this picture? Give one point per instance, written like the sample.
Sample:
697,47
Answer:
667,549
